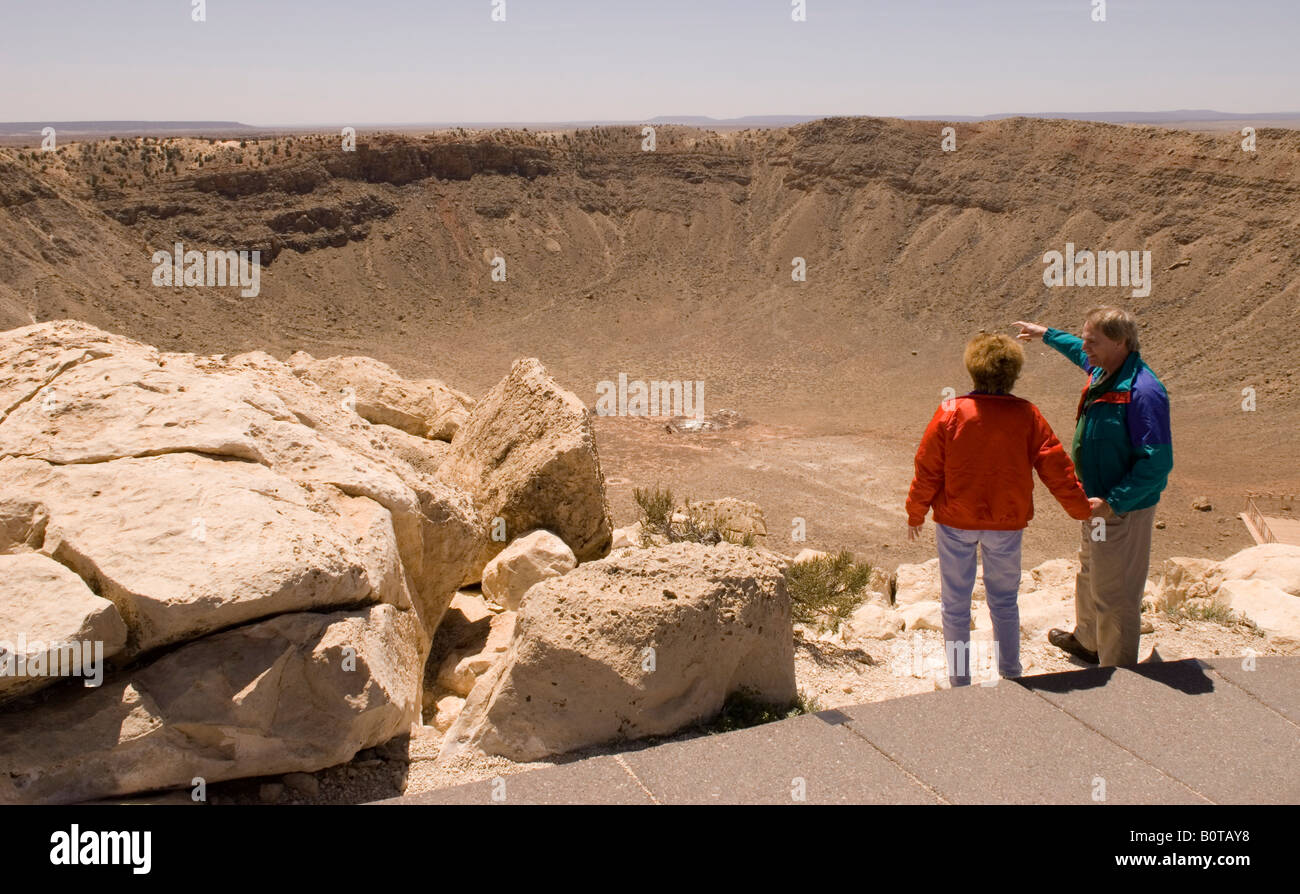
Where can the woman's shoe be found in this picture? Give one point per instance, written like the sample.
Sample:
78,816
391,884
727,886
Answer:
1065,641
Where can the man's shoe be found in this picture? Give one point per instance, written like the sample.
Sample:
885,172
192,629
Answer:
1065,641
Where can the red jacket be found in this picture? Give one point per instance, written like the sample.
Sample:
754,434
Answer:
974,462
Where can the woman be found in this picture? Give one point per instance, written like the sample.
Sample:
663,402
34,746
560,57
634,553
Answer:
974,468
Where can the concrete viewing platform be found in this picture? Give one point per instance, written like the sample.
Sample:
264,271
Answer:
1182,732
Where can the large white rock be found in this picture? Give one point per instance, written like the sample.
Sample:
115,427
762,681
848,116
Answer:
236,519
526,456
874,621
1274,610
424,455
447,710
463,665
46,609
299,692
1276,563
526,561
641,643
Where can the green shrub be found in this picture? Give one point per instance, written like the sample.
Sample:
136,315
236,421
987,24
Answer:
657,509
824,591
656,512
1218,612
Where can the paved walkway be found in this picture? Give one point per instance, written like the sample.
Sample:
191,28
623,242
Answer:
1182,732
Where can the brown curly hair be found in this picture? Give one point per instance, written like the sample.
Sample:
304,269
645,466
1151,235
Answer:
994,362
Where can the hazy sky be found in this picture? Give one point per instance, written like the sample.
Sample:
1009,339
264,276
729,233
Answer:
269,62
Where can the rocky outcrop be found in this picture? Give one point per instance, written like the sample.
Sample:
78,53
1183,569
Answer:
640,643
1272,609
527,457
397,162
264,566
871,620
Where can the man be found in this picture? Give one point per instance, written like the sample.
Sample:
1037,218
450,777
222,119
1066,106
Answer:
1122,453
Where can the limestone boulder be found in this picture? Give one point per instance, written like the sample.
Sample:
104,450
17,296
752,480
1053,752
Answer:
423,455
51,626
1274,610
295,693
472,607
1275,563
871,620
455,674
640,643
225,527
447,710
527,457
425,408
528,560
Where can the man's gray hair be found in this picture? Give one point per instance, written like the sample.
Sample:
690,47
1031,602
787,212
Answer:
1115,323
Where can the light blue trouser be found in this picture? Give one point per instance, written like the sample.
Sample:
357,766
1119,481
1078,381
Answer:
1001,552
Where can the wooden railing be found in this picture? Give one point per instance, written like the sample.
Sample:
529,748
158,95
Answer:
1255,519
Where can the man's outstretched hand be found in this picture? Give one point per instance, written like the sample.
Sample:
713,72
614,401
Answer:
1029,331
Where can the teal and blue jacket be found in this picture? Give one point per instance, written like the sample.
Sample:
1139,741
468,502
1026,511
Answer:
1123,451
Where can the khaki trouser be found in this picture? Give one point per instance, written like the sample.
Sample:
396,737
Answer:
1108,590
